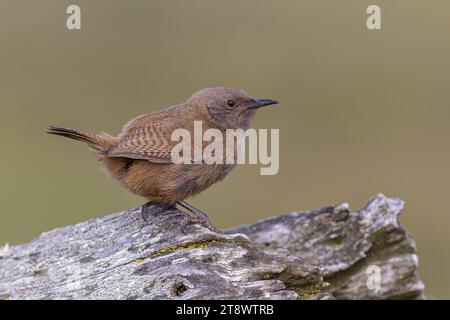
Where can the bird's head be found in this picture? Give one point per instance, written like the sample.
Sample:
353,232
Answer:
228,108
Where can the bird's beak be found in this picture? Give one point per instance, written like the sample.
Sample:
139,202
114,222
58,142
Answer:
261,103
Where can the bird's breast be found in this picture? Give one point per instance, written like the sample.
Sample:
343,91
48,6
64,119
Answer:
168,183
193,179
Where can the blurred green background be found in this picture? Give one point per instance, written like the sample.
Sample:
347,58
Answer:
361,111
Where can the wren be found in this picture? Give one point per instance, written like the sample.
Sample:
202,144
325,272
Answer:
140,156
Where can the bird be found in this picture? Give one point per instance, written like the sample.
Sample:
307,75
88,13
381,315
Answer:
139,157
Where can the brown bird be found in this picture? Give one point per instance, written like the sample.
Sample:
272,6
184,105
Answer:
140,156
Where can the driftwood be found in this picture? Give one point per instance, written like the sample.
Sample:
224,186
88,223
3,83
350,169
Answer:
323,254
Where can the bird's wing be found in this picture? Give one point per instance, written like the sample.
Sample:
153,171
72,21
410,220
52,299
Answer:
147,142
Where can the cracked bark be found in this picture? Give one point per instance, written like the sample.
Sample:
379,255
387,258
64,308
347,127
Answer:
327,253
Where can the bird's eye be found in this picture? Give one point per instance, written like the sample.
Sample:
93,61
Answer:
231,103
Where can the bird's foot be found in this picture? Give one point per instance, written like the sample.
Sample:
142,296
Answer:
199,218
145,209
188,219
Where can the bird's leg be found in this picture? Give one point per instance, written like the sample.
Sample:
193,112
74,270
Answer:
200,216
145,209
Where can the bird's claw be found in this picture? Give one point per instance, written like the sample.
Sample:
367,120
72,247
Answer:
188,219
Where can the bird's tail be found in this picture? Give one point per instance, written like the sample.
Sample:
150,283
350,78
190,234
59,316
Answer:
99,142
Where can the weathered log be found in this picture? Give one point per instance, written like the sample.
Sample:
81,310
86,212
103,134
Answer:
323,254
